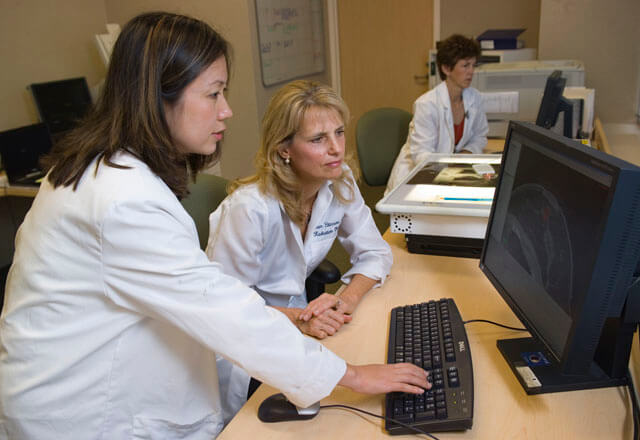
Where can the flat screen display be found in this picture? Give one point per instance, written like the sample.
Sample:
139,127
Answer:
546,240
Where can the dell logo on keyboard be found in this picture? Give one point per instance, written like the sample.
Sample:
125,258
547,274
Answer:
460,346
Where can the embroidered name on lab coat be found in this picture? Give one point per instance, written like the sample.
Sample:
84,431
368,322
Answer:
326,230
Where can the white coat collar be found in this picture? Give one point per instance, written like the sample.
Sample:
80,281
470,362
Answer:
442,92
443,96
321,204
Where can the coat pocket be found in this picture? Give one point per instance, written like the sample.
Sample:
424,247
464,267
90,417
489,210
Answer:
148,428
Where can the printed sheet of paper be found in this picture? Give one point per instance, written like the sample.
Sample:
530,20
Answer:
500,102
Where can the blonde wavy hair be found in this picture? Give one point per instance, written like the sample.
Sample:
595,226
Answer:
282,120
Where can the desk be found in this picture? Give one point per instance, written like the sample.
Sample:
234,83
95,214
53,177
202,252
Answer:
502,410
494,145
15,201
13,190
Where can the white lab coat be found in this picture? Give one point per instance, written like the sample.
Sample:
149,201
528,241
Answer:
254,240
431,130
113,315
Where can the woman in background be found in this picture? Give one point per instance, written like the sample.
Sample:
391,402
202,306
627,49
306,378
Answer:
449,118
113,315
279,224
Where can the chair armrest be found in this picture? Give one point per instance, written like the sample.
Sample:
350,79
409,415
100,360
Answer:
325,273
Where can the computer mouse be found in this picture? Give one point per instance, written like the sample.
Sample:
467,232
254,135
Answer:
277,408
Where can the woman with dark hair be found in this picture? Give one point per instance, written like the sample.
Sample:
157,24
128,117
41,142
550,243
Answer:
113,315
449,118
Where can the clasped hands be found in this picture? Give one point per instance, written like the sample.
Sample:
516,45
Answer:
324,316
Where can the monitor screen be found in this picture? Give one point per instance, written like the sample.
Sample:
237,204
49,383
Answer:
561,246
553,103
21,150
61,104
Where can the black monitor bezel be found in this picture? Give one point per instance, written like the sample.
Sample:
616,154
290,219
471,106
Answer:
550,102
17,163
574,358
553,103
43,92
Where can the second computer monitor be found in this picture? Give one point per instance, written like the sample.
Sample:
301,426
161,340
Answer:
553,104
61,104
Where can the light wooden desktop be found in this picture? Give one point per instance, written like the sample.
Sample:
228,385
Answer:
502,410
14,190
494,145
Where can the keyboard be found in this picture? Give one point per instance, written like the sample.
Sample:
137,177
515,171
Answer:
432,336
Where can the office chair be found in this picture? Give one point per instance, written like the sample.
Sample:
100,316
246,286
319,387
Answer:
380,133
4,272
205,196
325,273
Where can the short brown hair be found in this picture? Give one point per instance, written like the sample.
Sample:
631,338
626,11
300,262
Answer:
455,48
154,59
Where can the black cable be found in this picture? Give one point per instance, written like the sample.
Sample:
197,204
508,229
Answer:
413,428
634,404
495,323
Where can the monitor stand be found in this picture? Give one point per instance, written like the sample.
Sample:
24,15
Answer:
538,372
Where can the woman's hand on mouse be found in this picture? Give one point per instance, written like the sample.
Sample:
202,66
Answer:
382,379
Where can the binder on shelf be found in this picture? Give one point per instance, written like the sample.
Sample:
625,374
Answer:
498,39
586,101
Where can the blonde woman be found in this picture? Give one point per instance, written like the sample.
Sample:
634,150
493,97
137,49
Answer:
279,224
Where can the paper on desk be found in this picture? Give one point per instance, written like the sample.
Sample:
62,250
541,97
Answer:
588,102
500,102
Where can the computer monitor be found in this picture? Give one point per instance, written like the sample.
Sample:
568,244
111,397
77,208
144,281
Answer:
553,103
562,246
21,150
61,104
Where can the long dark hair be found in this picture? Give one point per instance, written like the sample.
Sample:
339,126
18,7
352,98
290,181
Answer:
155,57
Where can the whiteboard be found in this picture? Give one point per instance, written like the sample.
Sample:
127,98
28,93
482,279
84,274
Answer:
291,39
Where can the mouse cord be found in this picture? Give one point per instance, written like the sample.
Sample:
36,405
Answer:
634,403
495,323
413,428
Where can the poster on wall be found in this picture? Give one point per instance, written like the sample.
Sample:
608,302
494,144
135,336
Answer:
290,38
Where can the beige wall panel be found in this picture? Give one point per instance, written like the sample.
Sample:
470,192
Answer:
264,94
472,17
605,35
382,47
45,40
231,19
